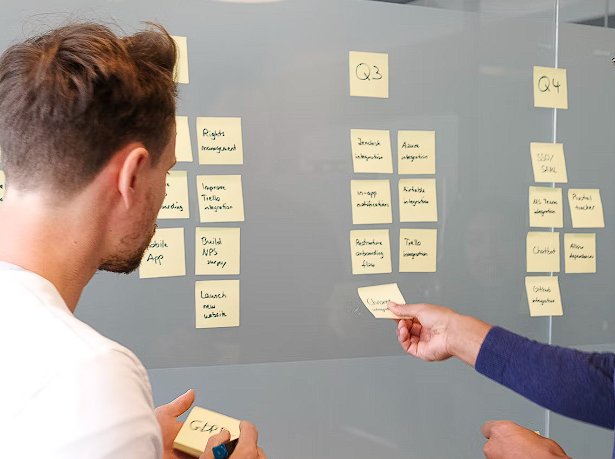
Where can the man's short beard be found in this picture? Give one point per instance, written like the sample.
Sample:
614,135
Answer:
126,265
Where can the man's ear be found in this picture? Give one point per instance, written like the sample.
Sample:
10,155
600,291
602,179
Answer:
130,173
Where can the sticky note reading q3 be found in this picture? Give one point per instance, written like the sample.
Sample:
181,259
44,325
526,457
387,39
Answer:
369,74
371,151
165,255
580,252
543,296
377,297
550,88
548,162
199,426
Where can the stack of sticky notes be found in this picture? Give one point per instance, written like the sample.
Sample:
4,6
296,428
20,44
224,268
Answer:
200,425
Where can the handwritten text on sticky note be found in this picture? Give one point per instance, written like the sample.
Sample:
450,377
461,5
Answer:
546,209
371,201
165,255
416,152
417,200
370,251
580,252
199,426
220,140
175,203
543,296
371,151
217,303
417,250
217,251
220,198
550,87
586,208
548,162
376,298
369,74
542,252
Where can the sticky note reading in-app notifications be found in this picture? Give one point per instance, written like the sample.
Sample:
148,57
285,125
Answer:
220,198
199,426
371,151
181,65
217,304
371,201
165,255
546,210
370,251
580,252
542,252
550,88
183,145
585,208
217,251
543,296
175,203
220,140
369,74
548,162
416,152
417,250
2,187
417,200
377,297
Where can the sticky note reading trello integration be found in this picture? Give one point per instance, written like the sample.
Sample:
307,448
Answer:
181,65
370,251
217,251
376,298
416,152
371,201
543,296
585,208
417,200
542,252
175,203
550,87
546,210
548,162
417,250
199,426
220,140
369,74
371,151
2,187
217,303
165,255
220,198
580,252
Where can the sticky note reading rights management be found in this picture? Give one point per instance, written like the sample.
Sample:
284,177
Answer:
220,140
199,426
377,297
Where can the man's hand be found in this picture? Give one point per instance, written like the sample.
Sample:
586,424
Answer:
167,418
507,440
247,447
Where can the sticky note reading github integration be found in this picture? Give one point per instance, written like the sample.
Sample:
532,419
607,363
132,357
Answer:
181,65
220,198
543,296
217,303
220,140
165,255
370,251
376,297
371,151
175,203
369,74
371,201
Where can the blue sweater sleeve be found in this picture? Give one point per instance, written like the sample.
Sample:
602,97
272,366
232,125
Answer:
569,382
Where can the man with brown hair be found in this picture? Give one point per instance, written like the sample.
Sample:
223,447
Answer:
87,128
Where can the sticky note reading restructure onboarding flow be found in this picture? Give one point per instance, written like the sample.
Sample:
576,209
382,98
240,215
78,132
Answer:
543,296
542,252
369,74
548,162
199,426
417,200
370,251
376,297
220,140
585,208
183,145
371,151
2,187
165,255
417,250
416,152
546,209
220,198
181,65
550,88
580,252
217,251
175,203
217,303
371,201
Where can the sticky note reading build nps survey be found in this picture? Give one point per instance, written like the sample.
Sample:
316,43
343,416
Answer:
175,203
417,200
416,152
181,66
580,252
217,303
371,201
542,252
548,162
2,187
199,426
370,251
220,140
371,151
417,250
585,208
369,74
165,256
550,88
543,296
377,297
183,145
546,210
220,198
217,251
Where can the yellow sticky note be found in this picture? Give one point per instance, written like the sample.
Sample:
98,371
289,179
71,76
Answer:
585,208
548,162
370,251
2,186
580,252
217,251
417,250
165,256
546,210
369,74
199,426
376,297
371,151
175,203
371,201
543,296
217,304
220,140
181,65
220,198
550,88
542,250
183,145
416,152
417,200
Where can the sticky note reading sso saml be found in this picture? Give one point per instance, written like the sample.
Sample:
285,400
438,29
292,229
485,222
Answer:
550,88
371,201
183,145
542,252
181,65
199,426
417,250
369,74
586,208
217,251
165,255
543,296
370,251
416,152
546,209
2,186
580,252
217,303
175,203
376,298
371,151
220,198
548,162
220,140
417,200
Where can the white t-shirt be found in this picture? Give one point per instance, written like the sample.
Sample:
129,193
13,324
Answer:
67,392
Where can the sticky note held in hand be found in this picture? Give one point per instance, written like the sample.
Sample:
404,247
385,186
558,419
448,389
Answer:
200,425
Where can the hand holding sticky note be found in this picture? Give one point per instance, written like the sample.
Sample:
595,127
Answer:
199,427
376,298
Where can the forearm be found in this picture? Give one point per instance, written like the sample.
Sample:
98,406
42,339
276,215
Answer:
465,337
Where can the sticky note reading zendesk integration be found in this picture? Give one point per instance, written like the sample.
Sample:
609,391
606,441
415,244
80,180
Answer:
370,251
2,186
165,256
550,88
417,250
217,251
377,297
371,151
416,152
371,201
417,200
543,296
585,208
181,65
580,252
542,252
546,210
220,140
199,426
183,145
369,74
548,162
175,203
220,198
217,304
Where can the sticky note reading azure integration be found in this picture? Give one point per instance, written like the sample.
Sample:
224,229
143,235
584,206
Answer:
199,426
543,296
217,251
220,140
417,250
175,203
181,66
165,256
369,74
370,251
371,151
550,88
220,198
416,152
548,162
377,297
585,208
371,201
546,210
417,200
580,252
217,303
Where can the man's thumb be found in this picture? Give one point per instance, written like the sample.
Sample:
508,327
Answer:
403,311
180,405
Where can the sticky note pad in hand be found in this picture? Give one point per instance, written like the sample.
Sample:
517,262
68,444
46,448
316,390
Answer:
200,425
